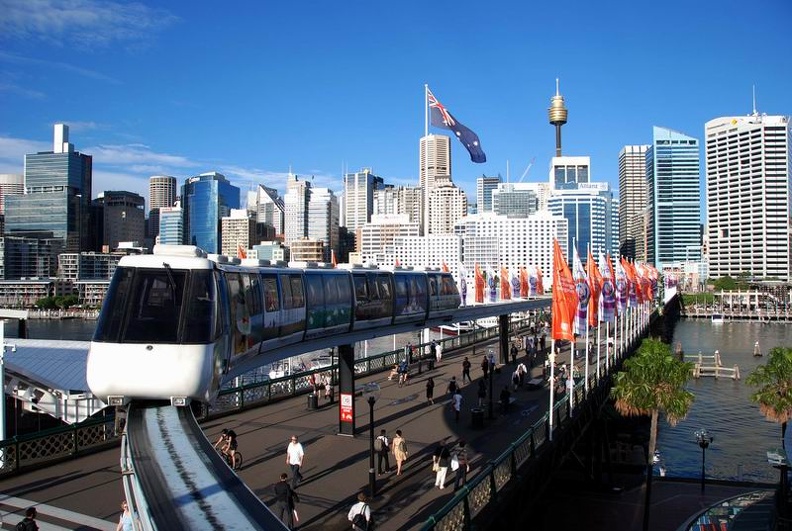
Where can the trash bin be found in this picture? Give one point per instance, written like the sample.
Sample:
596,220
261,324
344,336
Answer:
477,418
313,401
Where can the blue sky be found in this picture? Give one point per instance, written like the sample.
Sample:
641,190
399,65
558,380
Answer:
252,89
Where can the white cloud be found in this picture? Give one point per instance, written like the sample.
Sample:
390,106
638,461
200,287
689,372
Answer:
30,94
57,65
139,155
13,151
86,24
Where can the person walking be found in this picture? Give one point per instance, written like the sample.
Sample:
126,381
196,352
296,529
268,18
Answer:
294,458
460,464
439,353
433,350
430,390
514,353
29,522
456,404
440,462
452,386
360,514
485,366
285,501
399,448
466,370
382,447
482,392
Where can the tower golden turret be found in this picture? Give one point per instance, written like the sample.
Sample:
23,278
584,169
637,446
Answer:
558,116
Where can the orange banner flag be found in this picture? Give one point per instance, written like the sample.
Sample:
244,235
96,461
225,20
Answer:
564,297
595,285
505,285
479,287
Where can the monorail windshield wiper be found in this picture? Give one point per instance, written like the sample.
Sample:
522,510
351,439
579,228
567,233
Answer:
171,280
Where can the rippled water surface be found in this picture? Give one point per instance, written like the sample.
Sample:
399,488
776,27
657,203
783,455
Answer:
741,434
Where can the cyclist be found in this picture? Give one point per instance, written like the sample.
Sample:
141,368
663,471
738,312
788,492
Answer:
228,445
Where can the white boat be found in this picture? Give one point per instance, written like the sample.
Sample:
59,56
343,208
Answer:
757,350
455,329
717,318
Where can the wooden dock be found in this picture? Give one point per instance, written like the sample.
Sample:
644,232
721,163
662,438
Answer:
711,365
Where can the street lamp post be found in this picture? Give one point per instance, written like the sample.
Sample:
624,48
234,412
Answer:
491,361
704,439
372,392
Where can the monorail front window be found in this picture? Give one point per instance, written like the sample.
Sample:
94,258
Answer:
162,305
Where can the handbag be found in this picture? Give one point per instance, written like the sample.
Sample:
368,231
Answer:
435,467
359,521
454,463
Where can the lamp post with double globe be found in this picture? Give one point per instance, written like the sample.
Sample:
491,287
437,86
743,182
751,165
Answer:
372,393
703,438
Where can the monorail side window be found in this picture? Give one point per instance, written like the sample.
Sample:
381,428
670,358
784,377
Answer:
200,322
271,300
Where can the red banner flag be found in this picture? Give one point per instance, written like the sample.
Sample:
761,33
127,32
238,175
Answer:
505,287
564,297
525,286
240,251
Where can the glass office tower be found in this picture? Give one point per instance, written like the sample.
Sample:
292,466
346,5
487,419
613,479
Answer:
206,199
674,180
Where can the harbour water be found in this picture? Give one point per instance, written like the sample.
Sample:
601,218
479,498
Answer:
742,435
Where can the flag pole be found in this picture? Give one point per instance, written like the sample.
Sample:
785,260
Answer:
426,109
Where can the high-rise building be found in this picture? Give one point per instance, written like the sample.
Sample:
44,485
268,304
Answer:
269,209
435,159
485,186
673,180
376,239
392,200
171,225
359,190
568,172
295,208
162,193
57,194
447,204
124,218
323,220
238,233
591,216
748,187
10,184
632,197
206,199
515,200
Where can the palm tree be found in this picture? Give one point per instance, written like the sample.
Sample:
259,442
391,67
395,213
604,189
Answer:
774,380
653,380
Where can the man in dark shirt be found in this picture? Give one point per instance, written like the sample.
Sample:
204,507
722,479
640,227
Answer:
285,500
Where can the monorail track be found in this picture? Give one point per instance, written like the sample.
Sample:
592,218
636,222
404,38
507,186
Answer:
177,481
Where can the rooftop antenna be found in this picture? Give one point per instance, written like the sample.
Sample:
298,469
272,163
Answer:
753,91
507,170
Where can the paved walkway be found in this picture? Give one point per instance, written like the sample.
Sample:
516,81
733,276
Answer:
336,467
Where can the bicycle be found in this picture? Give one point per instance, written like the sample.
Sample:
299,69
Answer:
229,460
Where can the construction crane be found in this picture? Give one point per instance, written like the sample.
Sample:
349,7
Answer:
530,164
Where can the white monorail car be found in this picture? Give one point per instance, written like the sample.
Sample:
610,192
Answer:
175,321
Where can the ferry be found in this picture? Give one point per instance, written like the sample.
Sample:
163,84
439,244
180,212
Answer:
757,350
455,329
717,318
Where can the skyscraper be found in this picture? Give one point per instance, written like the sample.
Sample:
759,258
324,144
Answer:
162,193
58,194
295,208
590,215
435,159
748,188
124,218
207,198
323,220
359,188
632,197
270,209
568,172
10,184
673,180
446,205
171,225
484,188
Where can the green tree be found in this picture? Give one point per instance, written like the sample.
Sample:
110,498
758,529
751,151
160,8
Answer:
726,283
774,383
653,381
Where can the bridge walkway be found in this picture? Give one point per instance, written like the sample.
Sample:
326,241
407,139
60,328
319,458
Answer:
336,467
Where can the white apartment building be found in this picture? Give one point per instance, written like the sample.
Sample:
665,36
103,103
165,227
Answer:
748,162
496,241
359,190
237,233
374,237
295,207
399,200
447,205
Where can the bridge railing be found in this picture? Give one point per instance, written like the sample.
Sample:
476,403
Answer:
45,447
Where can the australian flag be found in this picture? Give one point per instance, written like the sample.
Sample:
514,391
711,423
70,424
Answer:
442,118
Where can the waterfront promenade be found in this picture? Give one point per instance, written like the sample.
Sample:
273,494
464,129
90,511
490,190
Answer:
336,467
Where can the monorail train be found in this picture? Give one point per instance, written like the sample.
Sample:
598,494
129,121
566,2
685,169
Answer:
175,321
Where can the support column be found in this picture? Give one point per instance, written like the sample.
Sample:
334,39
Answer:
503,339
346,390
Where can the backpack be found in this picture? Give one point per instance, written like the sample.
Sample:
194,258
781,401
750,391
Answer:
402,446
25,525
379,444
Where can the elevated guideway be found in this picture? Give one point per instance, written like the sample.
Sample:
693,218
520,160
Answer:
175,480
